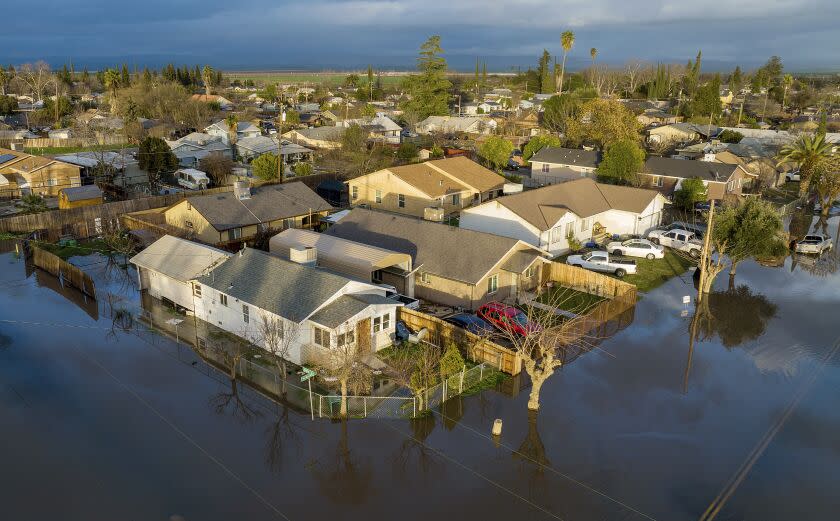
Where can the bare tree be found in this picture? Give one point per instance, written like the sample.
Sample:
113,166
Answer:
277,337
418,369
343,363
36,77
632,71
218,167
230,403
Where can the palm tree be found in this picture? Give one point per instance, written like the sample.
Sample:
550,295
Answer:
111,79
594,53
207,78
567,40
787,81
806,152
233,127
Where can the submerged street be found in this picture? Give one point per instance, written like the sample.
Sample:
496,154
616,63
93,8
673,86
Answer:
100,422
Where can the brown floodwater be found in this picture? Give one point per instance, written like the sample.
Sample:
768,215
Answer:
103,423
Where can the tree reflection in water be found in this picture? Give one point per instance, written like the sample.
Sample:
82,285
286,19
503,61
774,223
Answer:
342,477
413,453
279,432
231,404
531,453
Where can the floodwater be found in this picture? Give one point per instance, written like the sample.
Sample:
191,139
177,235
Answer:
102,423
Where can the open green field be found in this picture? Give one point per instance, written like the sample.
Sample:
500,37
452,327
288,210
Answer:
331,79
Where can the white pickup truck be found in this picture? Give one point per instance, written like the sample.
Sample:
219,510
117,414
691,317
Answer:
601,261
814,244
682,240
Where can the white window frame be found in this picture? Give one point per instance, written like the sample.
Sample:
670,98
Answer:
197,290
377,324
585,225
223,300
386,321
426,277
321,337
348,338
401,200
657,181
493,284
378,197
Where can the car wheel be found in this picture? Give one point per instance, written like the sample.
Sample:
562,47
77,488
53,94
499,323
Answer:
650,256
620,273
618,252
695,254
577,265
654,240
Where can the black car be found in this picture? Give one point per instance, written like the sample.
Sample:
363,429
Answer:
471,323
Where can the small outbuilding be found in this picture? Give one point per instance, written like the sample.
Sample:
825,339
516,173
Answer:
78,196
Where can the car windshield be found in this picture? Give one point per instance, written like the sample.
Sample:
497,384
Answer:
520,318
630,242
587,256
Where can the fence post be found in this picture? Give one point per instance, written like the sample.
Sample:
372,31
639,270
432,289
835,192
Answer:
481,372
320,401
414,402
461,386
364,401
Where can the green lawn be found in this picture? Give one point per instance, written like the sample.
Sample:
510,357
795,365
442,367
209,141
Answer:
653,273
570,300
81,249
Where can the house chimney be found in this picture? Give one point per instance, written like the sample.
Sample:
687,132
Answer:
708,157
242,190
306,255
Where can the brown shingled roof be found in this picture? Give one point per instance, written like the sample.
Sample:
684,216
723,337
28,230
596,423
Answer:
445,176
543,207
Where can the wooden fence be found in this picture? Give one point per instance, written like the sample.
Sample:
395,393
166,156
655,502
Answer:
64,270
608,316
477,349
89,221
46,142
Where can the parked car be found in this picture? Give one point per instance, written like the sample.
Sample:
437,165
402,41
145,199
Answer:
507,318
793,176
817,243
471,323
681,240
601,261
512,165
697,229
636,248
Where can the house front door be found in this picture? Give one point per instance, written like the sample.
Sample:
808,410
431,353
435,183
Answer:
363,336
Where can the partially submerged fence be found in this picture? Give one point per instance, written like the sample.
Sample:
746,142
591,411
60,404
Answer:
62,269
477,348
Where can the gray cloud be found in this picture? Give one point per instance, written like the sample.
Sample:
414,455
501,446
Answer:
350,33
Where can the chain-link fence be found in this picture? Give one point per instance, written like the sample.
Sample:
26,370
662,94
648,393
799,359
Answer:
195,340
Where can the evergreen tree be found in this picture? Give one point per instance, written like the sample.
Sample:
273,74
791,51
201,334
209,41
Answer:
544,72
736,81
430,90
125,78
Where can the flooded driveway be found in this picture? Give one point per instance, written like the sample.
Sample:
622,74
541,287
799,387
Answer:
105,423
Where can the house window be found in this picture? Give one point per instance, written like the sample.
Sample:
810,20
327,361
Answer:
377,276
555,235
288,223
493,284
544,168
657,181
425,278
570,229
321,337
197,290
188,224
377,324
456,199
355,192
52,181
379,196
234,234
529,272
343,339
246,313
222,299
401,200
584,225
386,321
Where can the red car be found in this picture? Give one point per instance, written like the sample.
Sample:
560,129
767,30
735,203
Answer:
507,318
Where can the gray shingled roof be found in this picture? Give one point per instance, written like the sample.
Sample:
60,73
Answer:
346,307
686,168
568,156
288,289
447,251
267,203
80,193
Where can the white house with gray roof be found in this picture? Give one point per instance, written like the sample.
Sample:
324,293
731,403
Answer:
322,309
244,129
551,165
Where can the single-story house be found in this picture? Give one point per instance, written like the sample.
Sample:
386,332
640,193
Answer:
317,137
321,309
681,133
78,196
547,216
22,174
447,184
551,165
657,117
231,218
224,103
167,267
354,259
456,124
194,147
250,148
125,168
665,175
454,266
244,129
381,129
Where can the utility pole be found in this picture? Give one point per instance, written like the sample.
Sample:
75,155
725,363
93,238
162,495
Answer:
280,146
705,254
740,112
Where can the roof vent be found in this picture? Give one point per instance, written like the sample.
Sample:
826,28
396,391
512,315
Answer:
306,255
242,190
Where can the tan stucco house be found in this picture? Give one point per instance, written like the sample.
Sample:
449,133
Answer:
22,174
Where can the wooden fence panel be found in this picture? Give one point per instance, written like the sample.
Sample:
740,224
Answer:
586,281
478,349
64,270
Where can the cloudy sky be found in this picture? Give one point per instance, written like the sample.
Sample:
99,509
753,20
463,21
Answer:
251,34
